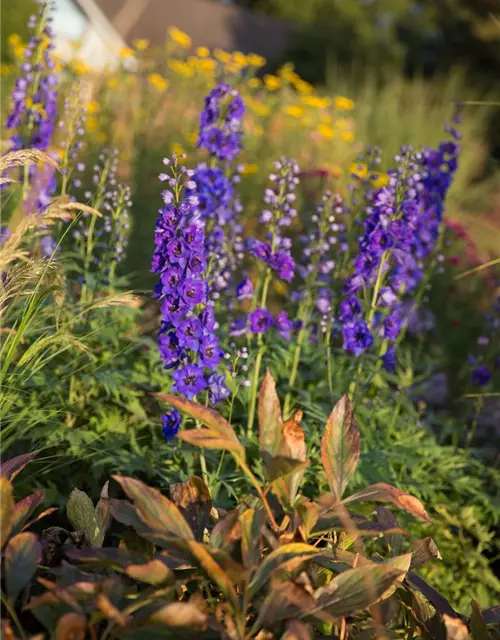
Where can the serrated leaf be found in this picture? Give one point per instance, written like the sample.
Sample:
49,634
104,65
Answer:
22,555
382,492
155,510
276,560
10,468
209,439
479,629
80,512
340,447
356,589
6,510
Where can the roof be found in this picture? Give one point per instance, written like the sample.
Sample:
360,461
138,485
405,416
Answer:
209,23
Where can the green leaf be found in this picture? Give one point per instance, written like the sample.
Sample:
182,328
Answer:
209,439
270,420
276,560
22,555
280,467
204,416
356,589
80,511
340,447
478,625
6,510
382,492
251,522
156,511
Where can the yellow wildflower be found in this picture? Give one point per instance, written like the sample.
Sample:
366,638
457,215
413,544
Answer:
249,168
19,50
180,67
315,101
325,131
381,180
280,287
360,170
141,43
208,65
92,124
14,39
344,104
240,59
192,138
113,83
178,149
179,37
325,117
28,102
254,83
125,52
5,69
254,60
222,56
303,87
93,107
333,169
158,82
294,111
347,136
202,52
344,123
258,108
273,83
79,67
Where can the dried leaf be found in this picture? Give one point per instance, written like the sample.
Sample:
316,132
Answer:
153,572
155,510
356,589
306,517
71,626
293,447
340,447
12,467
276,559
102,515
104,604
180,614
296,630
455,629
281,467
6,510
270,420
194,502
403,564
382,492
424,550
22,556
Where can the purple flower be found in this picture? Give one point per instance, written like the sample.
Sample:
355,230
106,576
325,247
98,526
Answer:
217,390
284,264
392,326
357,336
5,233
189,333
169,350
481,376
349,307
284,325
389,360
189,380
171,424
210,351
193,292
260,320
177,251
47,246
260,250
244,289
171,279
238,327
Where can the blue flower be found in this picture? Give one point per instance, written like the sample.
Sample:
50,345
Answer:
481,376
357,336
171,424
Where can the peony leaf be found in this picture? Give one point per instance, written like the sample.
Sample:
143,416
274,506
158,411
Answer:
6,510
22,555
80,512
209,439
382,492
194,502
12,467
270,420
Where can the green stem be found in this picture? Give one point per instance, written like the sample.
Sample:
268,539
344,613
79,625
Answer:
12,612
255,384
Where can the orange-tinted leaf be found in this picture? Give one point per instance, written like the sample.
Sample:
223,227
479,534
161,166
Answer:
296,630
22,555
6,510
284,602
41,515
382,492
25,508
71,626
203,415
103,514
179,614
270,420
455,629
293,447
340,447
251,522
10,468
306,517
153,572
104,604
210,439
194,502
154,509
281,467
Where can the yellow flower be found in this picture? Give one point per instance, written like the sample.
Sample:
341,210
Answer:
79,67
325,117
126,52
19,50
333,169
180,67
273,83
347,136
5,69
325,131
315,101
254,83
14,39
294,111
202,52
113,83
141,43
207,65
258,108
280,287
303,87
344,104
249,168
240,59
254,60
192,138
381,180
28,102
344,123
159,83
222,56
179,37
101,137
360,170
93,107
92,124
178,149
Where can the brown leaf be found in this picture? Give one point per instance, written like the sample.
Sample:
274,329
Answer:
270,420
6,510
296,630
154,509
423,551
213,570
285,601
25,508
104,604
227,531
306,517
12,467
71,626
22,556
293,447
382,492
394,540
103,514
340,447
180,614
209,439
194,502
455,629
153,572
7,632
403,564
